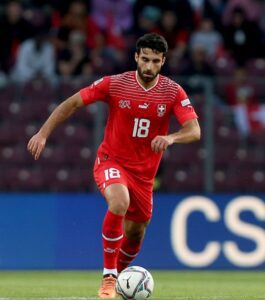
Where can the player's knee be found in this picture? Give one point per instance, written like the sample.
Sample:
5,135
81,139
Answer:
118,198
119,206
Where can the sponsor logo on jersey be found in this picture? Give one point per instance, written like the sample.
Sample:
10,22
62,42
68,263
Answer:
185,102
144,106
161,110
125,104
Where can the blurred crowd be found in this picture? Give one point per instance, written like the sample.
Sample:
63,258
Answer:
51,48
57,38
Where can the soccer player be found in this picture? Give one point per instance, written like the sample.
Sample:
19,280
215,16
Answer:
136,135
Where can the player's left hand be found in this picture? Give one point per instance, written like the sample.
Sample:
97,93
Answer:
160,143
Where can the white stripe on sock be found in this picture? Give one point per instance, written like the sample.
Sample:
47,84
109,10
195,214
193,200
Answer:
112,239
127,254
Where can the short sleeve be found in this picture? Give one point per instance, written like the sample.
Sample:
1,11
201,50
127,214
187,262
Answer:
183,109
97,91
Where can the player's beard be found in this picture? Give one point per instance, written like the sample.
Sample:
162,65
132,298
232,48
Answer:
151,76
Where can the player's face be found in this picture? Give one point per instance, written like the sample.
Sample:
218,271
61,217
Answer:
149,64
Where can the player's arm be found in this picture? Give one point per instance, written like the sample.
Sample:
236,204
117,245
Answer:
62,112
189,132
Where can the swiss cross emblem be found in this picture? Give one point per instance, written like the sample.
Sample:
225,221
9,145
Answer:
125,104
161,110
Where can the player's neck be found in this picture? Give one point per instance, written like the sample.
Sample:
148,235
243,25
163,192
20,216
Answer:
146,85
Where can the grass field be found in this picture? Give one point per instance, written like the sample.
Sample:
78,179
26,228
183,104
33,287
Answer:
69,285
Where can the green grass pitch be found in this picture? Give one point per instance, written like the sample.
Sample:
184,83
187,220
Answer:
185,285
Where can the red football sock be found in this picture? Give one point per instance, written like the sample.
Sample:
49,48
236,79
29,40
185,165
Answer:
112,234
128,251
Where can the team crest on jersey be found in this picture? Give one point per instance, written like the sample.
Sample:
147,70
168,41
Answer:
125,104
161,110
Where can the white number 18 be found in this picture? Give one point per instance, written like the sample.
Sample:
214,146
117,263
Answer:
141,128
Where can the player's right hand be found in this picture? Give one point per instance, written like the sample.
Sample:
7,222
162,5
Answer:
36,145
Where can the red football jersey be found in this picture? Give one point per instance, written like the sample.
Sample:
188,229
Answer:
136,116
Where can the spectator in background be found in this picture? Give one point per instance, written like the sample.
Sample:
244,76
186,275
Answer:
207,38
262,21
197,64
254,10
176,36
106,59
211,9
196,67
74,60
105,46
181,9
241,96
35,58
168,25
242,37
147,20
114,18
240,90
117,14
77,18
14,29
57,5
189,13
161,5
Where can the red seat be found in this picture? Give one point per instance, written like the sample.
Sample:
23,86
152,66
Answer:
67,179
15,155
256,67
23,179
69,87
11,133
71,133
38,90
182,179
225,135
224,182
9,93
224,66
183,154
33,112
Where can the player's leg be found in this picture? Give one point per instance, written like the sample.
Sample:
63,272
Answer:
117,197
111,180
137,218
131,243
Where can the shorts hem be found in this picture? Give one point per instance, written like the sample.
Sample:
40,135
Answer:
130,218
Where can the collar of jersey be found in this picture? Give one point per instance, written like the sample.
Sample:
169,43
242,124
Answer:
143,86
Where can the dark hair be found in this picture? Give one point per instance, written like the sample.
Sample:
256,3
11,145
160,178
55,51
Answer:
152,41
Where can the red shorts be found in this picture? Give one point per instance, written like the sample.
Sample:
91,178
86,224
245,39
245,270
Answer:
107,171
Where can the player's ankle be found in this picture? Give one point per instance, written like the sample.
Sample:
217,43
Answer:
108,272
109,275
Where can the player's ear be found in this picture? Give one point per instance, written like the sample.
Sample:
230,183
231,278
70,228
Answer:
163,60
136,57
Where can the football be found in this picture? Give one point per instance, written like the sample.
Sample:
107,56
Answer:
135,283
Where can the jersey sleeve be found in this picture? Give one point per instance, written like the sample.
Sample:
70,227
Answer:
183,109
97,91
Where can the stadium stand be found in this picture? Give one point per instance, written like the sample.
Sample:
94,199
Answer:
238,161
